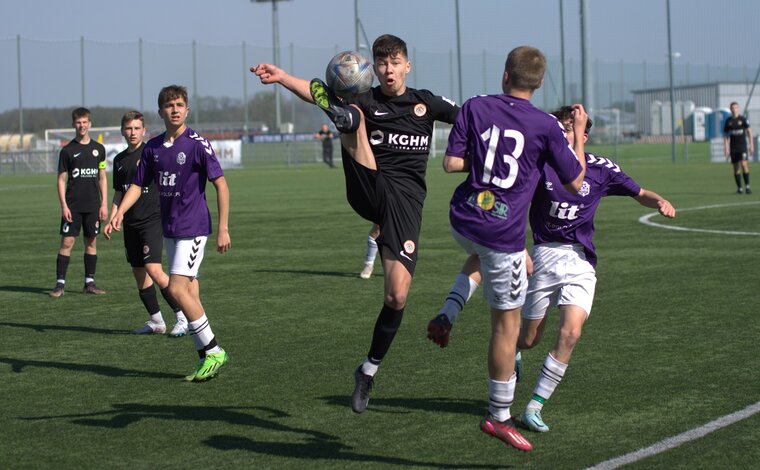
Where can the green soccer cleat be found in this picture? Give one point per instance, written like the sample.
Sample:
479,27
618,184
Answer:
209,367
339,113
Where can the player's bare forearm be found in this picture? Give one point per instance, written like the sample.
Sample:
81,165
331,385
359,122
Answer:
223,241
269,74
455,164
654,201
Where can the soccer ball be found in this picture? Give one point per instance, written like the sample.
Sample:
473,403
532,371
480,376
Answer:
349,73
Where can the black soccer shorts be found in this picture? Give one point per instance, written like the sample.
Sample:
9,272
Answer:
143,244
88,221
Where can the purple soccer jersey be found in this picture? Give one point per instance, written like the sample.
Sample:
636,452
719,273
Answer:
180,170
508,141
556,215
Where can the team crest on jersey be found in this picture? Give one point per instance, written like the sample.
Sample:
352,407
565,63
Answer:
146,249
486,200
549,186
585,189
181,158
420,110
95,153
409,246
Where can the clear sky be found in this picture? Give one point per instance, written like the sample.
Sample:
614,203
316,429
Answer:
704,32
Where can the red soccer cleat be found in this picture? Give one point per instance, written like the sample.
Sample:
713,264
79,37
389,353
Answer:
506,432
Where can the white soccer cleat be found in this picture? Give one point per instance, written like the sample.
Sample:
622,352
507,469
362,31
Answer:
180,329
151,327
367,271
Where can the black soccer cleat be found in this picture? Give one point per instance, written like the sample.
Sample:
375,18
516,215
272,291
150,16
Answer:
360,397
339,113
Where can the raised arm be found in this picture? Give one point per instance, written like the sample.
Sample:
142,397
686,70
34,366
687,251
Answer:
269,74
580,118
653,200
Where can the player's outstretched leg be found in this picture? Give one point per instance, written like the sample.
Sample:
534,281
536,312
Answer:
345,118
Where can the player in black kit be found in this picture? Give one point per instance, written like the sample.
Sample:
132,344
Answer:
143,236
385,142
736,132
83,194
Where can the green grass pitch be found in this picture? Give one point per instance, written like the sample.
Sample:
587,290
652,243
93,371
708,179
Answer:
671,343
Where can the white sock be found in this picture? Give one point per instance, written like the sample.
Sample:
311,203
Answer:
368,368
369,258
200,331
88,280
550,376
501,395
461,292
157,317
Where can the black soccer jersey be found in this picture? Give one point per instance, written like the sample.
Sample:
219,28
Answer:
82,163
735,128
400,133
146,209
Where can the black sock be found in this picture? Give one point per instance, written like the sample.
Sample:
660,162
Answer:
738,179
61,266
149,299
746,178
386,327
90,263
170,300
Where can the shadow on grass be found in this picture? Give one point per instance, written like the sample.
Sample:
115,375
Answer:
27,289
307,272
407,405
81,329
18,365
122,415
320,449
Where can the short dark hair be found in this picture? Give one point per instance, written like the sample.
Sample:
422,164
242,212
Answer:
132,116
566,113
172,92
526,66
388,45
733,103
80,113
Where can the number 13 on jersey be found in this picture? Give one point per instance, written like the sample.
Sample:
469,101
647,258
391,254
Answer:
492,136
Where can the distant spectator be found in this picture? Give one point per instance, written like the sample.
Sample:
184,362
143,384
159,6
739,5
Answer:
736,132
326,136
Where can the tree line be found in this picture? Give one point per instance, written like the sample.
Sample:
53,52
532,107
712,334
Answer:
210,110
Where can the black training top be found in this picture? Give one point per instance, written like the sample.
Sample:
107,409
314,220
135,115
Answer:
735,128
400,132
82,163
146,209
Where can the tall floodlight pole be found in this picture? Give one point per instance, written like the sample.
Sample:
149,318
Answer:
562,51
356,24
276,56
20,102
588,97
459,51
672,94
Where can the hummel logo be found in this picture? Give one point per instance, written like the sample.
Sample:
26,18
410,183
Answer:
405,255
378,113
77,154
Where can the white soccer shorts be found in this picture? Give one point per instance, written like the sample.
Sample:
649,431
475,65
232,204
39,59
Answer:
185,255
504,278
561,276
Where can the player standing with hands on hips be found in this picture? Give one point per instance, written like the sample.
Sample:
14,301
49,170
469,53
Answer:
180,162
385,175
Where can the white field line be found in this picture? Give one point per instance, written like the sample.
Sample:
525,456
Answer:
645,219
675,441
